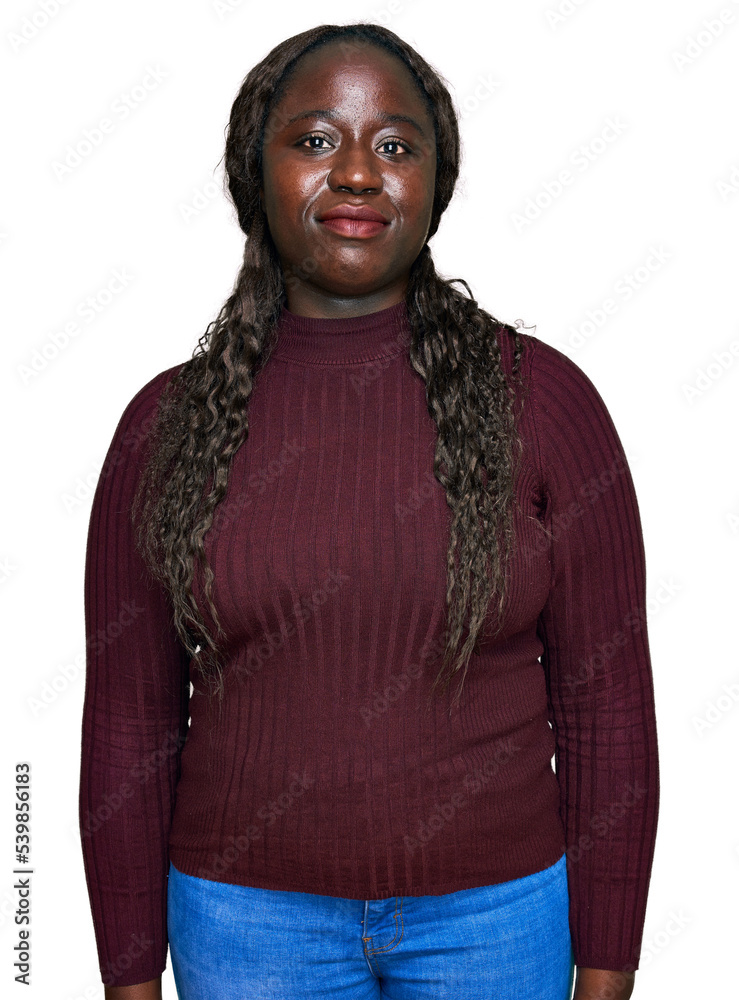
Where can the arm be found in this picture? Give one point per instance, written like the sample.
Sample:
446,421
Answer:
143,991
598,670
598,984
134,722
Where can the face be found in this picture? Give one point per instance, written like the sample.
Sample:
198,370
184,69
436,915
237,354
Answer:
330,143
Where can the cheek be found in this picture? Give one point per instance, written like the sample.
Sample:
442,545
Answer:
293,199
415,211
412,192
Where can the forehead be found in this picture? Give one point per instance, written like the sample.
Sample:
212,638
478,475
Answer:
351,72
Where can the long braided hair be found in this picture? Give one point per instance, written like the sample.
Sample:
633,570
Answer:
202,417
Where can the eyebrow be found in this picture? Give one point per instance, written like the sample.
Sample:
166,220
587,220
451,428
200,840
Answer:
385,117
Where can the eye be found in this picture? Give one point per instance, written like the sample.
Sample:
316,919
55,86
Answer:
303,141
385,142
396,142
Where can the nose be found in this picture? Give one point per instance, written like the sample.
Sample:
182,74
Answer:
355,169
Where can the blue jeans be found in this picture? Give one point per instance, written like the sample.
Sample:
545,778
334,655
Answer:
509,941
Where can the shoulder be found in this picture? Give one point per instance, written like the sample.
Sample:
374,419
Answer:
570,421
138,417
144,402
563,394
541,363
563,409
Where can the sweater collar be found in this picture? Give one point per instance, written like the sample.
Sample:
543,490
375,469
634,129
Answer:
344,340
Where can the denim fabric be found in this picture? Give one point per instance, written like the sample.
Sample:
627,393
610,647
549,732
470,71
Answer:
509,941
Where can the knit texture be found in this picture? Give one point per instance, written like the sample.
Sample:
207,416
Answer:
328,773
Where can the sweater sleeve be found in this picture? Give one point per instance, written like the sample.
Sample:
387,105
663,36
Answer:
597,664
134,722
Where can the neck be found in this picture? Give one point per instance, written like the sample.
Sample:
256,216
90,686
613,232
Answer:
343,340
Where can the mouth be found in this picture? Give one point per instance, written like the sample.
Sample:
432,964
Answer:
357,221
355,228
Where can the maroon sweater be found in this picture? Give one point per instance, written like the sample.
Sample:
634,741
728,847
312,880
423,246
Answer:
327,773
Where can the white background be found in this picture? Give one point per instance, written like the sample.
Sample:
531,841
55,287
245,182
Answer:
531,91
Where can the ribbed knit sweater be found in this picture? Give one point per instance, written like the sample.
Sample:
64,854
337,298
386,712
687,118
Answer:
328,773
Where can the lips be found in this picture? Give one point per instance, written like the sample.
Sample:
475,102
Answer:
360,212
354,227
354,220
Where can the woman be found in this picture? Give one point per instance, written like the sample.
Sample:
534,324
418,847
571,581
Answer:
275,519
